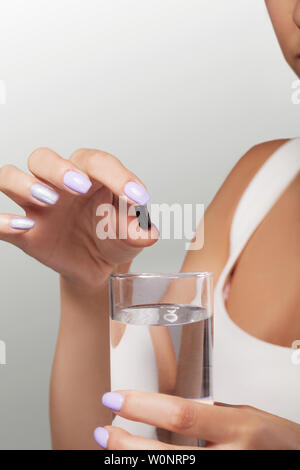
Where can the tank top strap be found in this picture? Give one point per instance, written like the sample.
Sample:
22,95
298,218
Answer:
263,191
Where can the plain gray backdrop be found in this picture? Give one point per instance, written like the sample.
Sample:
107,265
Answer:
177,89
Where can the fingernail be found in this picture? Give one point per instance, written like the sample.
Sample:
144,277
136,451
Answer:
77,182
101,437
113,400
44,194
22,223
137,193
206,400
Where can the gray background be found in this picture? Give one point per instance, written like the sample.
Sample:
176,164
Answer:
177,89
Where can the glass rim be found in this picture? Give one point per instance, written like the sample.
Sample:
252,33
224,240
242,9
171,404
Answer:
203,274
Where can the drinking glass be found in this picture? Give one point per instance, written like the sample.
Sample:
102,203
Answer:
161,337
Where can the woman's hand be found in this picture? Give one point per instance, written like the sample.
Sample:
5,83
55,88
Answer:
221,426
60,198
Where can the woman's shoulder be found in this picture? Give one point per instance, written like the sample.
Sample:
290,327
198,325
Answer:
253,159
262,151
244,171
218,216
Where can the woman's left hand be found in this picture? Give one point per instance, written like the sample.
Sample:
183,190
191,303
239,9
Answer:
221,426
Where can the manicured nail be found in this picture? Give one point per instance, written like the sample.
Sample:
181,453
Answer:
101,437
113,400
206,400
77,182
22,223
44,194
137,193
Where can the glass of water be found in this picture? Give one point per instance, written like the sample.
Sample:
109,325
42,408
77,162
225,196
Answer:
161,336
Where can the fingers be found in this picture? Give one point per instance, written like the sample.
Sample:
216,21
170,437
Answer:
75,175
110,172
13,229
208,422
113,438
24,189
9,224
49,166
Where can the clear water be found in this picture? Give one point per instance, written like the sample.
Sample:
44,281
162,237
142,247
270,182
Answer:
180,338
161,315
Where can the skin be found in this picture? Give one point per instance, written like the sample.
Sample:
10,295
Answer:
64,239
285,17
223,427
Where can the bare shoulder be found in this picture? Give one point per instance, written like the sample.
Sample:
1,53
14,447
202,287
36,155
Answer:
248,165
258,154
218,216
242,173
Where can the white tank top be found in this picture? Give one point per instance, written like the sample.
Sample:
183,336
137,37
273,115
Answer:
133,362
246,370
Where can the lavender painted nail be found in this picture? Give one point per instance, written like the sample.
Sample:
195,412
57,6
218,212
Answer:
77,182
22,223
137,193
101,437
44,194
113,400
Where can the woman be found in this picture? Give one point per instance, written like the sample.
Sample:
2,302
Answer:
252,230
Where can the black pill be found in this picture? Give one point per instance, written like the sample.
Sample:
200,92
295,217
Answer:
143,217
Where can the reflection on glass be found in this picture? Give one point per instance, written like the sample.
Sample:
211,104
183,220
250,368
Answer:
161,339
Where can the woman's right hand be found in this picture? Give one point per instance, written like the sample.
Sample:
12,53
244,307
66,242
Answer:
60,198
